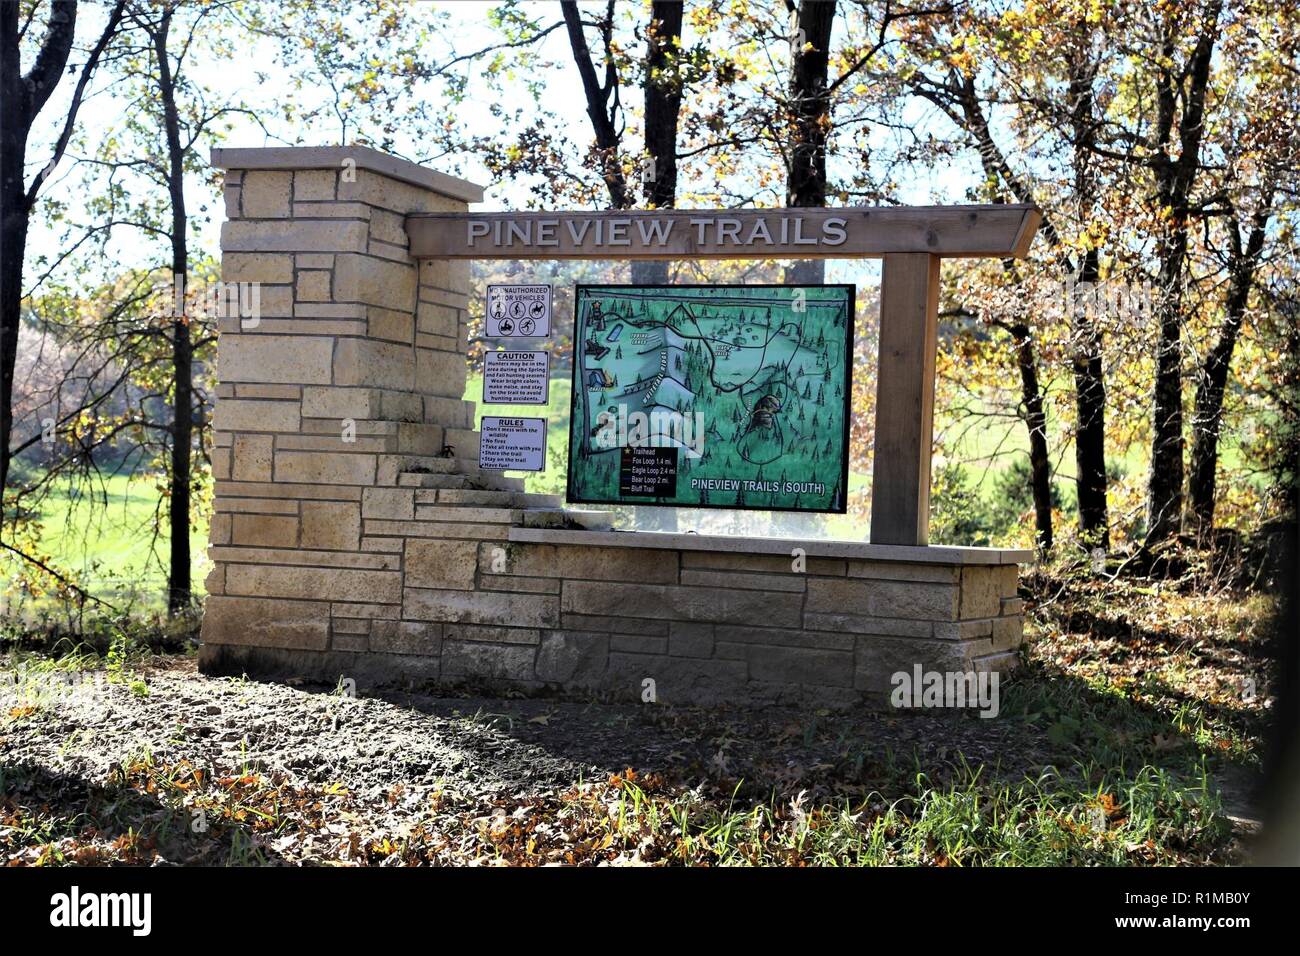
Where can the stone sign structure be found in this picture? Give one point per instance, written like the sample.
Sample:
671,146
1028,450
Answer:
354,534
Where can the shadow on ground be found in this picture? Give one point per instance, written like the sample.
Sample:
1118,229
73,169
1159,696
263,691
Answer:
56,818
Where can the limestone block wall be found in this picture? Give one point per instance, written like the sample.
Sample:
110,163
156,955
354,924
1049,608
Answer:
494,600
354,535
716,619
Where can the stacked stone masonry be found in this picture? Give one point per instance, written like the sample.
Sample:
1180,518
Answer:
354,535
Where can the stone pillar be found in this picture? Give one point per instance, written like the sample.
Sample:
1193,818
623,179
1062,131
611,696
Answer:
351,375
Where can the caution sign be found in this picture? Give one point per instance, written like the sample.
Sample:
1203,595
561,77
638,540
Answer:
512,444
516,378
522,311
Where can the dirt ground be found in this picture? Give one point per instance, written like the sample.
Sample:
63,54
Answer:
170,766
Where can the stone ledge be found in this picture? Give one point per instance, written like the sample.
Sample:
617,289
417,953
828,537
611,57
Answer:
332,157
822,548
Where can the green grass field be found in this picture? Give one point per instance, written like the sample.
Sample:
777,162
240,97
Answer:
105,540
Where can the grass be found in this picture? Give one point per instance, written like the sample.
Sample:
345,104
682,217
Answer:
984,433
1054,820
106,541
187,814
1157,672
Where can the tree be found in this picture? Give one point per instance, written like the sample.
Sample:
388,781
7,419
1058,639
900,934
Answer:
791,92
1207,419
23,97
1258,95
1049,64
603,100
1171,151
159,72
809,107
663,76
663,85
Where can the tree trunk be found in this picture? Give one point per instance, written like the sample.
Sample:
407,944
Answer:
1174,180
1090,410
662,106
21,99
663,102
1089,372
1208,416
1165,483
1040,466
597,96
178,574
13,240
810,106
996,167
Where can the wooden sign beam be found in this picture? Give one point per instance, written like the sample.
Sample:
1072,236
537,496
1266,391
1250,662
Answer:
900,470
999,231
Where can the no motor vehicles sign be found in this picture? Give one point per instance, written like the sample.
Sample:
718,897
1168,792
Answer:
518,311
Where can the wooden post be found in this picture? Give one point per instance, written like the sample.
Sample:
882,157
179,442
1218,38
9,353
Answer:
909,322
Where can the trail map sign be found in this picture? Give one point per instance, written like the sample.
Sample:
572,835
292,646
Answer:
712,396
518,311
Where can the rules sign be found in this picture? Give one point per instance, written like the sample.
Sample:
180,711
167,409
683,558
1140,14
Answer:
522,311
512,444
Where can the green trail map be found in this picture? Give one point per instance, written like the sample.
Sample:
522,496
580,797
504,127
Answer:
712,396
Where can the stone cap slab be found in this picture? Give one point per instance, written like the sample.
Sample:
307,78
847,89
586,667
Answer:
739,544
332,157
